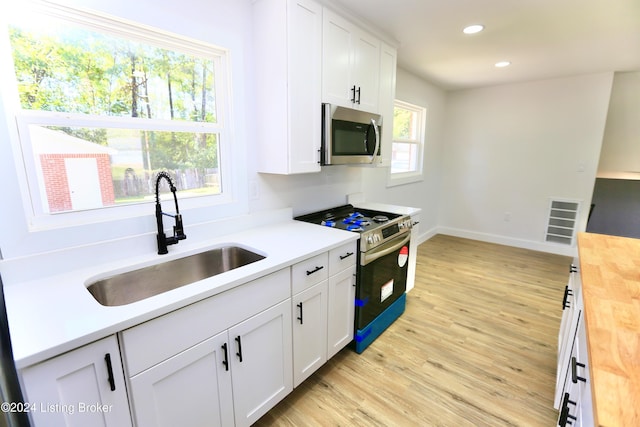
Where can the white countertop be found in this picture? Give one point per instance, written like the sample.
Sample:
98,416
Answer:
52,315
385,207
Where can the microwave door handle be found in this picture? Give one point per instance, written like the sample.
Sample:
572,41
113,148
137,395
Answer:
375,150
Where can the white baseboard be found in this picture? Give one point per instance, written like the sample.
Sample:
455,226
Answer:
424,236
557,249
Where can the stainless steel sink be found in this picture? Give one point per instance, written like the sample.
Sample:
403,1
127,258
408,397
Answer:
145,282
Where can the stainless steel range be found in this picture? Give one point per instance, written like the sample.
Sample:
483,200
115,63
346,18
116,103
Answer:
383,251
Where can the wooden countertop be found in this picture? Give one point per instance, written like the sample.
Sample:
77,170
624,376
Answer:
610,272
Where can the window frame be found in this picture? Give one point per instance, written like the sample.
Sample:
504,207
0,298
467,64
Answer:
37,217
401,178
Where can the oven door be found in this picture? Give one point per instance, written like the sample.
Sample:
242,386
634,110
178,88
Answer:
382,278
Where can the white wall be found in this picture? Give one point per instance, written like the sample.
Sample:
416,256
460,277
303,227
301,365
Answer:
303,193
510,148
620,155
423,194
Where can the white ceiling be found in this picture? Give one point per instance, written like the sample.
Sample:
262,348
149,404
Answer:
542,38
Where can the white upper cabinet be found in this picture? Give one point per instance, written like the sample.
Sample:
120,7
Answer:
306,55
387,95
350,64
288,46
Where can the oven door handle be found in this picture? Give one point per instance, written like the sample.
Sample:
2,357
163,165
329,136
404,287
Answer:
384,250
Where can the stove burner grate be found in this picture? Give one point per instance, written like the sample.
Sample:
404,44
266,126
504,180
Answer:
380,218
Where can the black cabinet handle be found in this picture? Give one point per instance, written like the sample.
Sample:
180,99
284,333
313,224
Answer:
573,269
574,371
565,302
299,305
225,362
564,411
239,353
358,91
353,94
309,273
112,382
345,256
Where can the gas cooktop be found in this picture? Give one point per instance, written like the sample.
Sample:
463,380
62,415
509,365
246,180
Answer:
375,226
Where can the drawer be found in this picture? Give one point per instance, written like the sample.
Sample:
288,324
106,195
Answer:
158,339
309,272
342,257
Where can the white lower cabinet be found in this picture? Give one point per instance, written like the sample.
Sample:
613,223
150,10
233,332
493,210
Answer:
323,308
84,387
341,309
192,388
261,364
232,378
309,331
573,389
413,251
222,361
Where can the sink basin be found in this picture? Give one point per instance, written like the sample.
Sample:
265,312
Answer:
146,282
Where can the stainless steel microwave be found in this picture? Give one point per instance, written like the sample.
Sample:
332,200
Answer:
349,136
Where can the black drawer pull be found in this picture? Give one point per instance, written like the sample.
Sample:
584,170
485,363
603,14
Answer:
564,411
345,256
111,379
309,273
574,371
567,293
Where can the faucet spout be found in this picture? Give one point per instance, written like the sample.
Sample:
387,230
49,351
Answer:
178,229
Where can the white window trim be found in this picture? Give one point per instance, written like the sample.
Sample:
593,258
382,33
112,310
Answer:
226,203
402,178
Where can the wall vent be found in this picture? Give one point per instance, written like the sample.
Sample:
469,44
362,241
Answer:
563,218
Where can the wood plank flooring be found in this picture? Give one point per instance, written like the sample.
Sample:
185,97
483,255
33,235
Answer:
476,346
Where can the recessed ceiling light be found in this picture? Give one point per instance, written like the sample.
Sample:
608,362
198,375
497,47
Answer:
472,29
503,64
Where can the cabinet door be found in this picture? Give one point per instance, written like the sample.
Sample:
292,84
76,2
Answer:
341,308
564,358
337,60
569,408
387,95
262,368
288,54
74,389
192,388
309,331
305,85
585,413
366,71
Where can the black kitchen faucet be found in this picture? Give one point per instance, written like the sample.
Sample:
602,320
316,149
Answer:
178,231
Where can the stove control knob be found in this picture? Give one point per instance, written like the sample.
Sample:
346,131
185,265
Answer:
370,239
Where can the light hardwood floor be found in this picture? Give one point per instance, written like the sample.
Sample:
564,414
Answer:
476,346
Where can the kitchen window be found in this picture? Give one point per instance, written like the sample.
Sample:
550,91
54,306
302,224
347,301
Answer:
102,105
408,140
